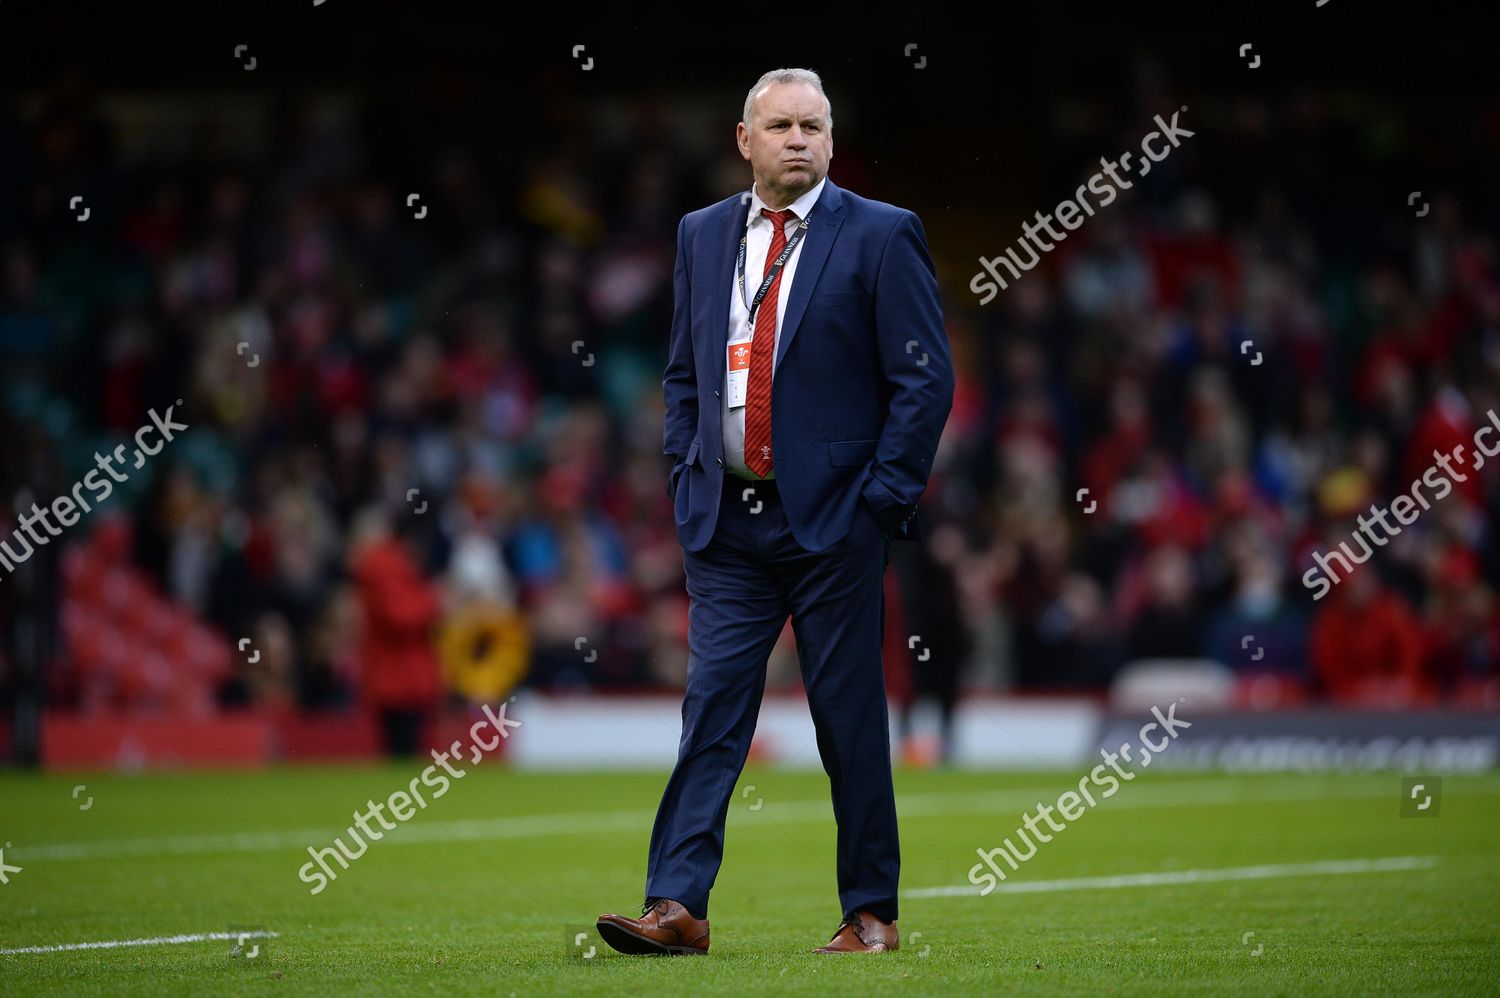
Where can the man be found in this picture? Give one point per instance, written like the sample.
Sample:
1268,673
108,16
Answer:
804,403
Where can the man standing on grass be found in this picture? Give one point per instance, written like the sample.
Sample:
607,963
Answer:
807,384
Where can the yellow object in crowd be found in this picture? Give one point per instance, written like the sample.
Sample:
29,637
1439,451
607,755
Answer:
485,649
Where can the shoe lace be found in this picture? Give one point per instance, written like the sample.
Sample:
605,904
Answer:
855,922
650,904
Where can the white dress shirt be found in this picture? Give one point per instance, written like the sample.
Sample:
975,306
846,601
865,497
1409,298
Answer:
757,243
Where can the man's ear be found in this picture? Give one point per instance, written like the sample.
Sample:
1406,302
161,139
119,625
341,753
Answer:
742,139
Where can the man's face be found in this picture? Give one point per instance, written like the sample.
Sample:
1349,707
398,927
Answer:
788,142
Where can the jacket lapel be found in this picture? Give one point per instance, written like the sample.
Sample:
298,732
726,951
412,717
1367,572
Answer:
827,217
729,242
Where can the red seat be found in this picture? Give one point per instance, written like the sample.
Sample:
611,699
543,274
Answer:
129,647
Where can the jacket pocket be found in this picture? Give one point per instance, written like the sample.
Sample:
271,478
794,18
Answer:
851,452
842,299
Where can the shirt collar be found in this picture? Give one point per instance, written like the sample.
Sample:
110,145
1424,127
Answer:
800,207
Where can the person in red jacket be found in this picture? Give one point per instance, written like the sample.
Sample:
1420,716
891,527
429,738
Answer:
397,643
1366,645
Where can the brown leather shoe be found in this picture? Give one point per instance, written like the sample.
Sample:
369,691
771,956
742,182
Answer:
665,928
863,933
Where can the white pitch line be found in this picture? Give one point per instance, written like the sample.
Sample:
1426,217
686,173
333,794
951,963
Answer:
1391,864
1178,793
192,937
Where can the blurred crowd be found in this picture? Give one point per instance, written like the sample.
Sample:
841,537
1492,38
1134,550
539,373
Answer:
425,445
1234,382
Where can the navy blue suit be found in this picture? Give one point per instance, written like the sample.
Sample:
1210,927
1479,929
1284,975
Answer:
862,387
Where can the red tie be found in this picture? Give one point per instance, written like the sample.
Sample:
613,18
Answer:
763,357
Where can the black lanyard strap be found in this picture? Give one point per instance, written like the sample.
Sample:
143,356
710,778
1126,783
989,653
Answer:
780,261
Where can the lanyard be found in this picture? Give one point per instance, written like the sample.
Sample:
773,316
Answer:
765,285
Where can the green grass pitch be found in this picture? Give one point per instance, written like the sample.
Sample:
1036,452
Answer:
481,892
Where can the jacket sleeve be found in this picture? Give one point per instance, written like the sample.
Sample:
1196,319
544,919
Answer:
679,384
918,370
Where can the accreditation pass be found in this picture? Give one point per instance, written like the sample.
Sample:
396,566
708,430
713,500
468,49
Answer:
738,368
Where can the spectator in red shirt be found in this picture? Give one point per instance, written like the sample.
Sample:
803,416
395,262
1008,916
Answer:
1366,645
397,651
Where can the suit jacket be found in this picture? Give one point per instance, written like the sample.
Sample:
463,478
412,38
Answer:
863,377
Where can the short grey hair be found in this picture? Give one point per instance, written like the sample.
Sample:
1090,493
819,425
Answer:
787,76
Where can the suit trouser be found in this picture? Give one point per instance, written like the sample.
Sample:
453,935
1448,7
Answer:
741,587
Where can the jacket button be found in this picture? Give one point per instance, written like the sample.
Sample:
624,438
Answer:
719,461
716,393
